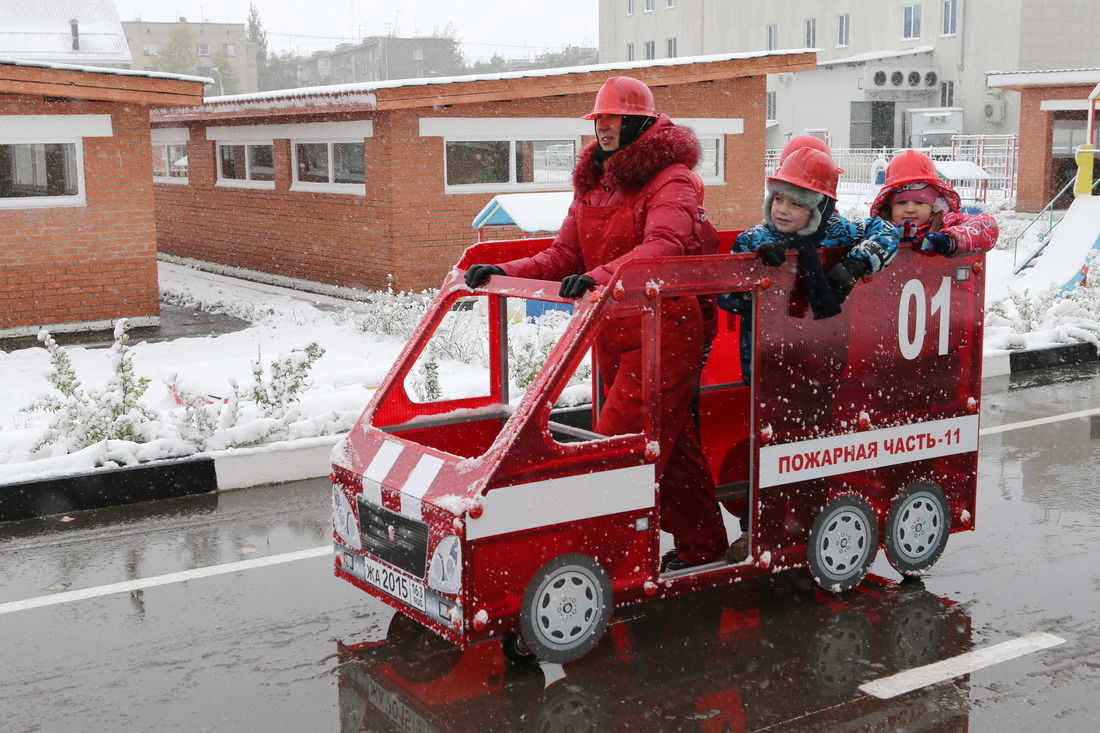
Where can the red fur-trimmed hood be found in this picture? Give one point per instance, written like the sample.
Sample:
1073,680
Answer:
630,168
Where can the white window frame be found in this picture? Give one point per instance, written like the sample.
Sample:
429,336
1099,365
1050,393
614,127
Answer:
247,181
708,128
48,130
356,189
947,94
650,5
770,106
630,7
811,32
650,51
670,3
950,18
162,138
511,130
771,42
202,49
670,48
630,52
910,23
843,30
230,49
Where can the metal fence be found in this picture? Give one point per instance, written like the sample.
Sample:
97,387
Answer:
997,155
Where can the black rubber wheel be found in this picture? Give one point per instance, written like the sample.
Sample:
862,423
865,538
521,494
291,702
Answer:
515,650
917,528
566,609
842,544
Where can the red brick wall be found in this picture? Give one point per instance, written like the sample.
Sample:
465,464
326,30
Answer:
1035,180
406,226
67,265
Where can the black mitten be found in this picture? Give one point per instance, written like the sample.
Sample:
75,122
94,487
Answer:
772,253
844,275
574,286
476,275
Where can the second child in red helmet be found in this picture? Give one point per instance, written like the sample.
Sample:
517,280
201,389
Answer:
928,211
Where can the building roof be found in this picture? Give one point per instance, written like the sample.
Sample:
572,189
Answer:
69,81
440,91
40,30
1041,78
876,56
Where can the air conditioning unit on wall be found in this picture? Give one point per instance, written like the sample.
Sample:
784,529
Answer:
904,78
994,110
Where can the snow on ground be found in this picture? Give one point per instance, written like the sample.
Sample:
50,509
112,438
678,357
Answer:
355,360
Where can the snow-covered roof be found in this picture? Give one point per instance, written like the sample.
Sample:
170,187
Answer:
104,70
530,212
1042,78
873,56
367,89
39,30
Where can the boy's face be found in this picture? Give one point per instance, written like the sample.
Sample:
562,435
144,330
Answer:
787,215
914,211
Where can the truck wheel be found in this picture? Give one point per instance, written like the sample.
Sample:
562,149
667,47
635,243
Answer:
842,543
566,608
917,527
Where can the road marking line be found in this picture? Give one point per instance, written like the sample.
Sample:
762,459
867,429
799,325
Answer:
1040,421
913,679
142,583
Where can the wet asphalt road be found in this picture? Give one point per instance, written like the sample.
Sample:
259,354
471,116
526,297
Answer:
286,647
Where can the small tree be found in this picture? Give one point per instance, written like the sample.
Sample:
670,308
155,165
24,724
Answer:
178,55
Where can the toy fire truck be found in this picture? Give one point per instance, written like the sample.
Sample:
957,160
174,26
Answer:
481,510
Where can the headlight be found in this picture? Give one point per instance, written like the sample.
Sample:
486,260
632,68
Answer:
445,572
343,519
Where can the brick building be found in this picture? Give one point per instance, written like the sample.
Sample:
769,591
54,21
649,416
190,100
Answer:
76,200
1053,123
370,185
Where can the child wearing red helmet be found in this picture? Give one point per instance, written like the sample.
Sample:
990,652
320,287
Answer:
928,210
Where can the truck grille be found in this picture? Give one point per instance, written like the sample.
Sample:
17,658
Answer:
398,540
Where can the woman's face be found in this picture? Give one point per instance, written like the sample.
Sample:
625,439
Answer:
914,211
788,216
608,129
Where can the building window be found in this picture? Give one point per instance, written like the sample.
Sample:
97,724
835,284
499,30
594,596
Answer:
949,9
773,37
330,163
630,7
148,49
202,49
710,159
811,33
650,5
170,162
41,174
947,94
769,106
630,52
842,26
910,22
238,163
670,48
520,163
418,54
230,49
650,50
670,3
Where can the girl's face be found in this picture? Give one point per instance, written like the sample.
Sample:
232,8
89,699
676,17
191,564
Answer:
787,215
914,211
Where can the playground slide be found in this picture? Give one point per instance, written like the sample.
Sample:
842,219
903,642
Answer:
1063,261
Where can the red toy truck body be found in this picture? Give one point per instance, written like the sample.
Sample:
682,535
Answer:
500,513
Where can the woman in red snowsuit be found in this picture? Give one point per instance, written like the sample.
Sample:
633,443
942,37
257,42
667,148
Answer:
634,196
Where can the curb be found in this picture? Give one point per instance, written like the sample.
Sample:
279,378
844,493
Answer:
250,467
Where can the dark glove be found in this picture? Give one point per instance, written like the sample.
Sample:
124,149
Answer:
844,275
476,275
772,253
574,286
938,242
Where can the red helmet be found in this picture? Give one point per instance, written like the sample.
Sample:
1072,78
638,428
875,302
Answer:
912,166
811,169
803,141
622,95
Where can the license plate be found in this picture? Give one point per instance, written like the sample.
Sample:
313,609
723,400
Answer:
398,712
402,587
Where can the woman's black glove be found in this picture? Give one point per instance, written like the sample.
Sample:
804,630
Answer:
476,275
772,253
574,286
844,275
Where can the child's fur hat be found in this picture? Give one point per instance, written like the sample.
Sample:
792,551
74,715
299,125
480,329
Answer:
816,202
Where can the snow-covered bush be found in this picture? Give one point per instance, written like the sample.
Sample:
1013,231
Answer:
81,417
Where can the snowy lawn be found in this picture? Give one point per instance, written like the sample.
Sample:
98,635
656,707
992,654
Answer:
218,375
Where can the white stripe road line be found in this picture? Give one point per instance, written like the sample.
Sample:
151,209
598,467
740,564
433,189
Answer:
1039,421
142,583
913,679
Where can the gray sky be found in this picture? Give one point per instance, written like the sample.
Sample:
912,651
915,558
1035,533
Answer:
512,28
